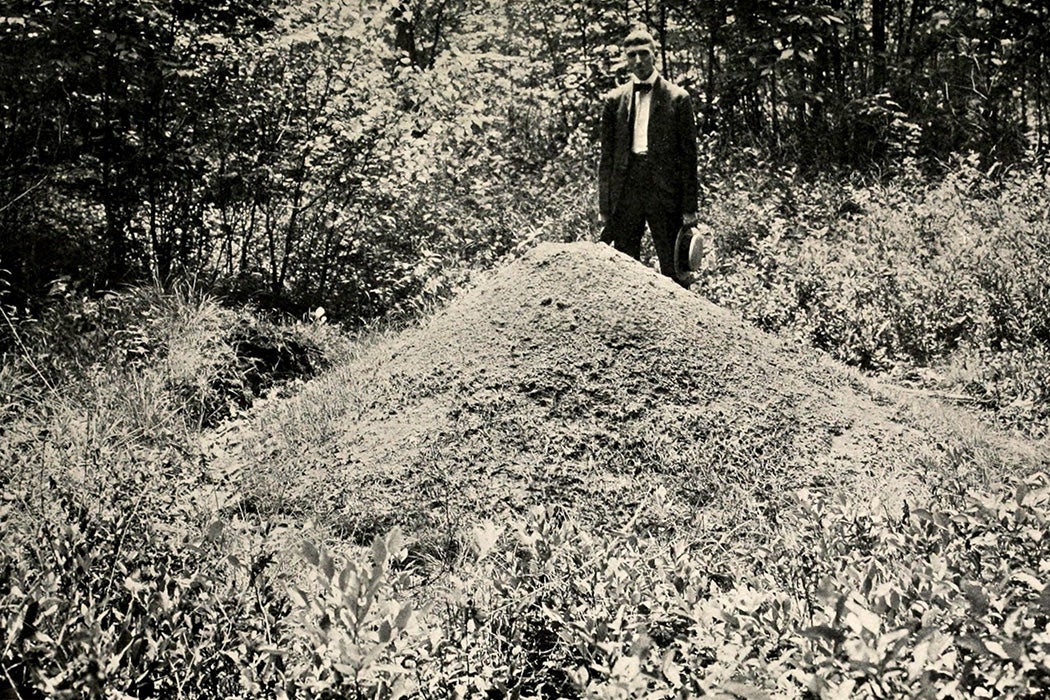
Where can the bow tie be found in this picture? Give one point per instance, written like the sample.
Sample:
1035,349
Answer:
643,87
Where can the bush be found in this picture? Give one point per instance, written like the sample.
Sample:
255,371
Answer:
894,276
951,600
117,597
125,589
197,359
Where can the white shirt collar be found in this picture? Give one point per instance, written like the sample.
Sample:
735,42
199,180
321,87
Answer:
651,80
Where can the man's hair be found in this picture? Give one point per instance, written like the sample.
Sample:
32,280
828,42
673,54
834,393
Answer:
639,36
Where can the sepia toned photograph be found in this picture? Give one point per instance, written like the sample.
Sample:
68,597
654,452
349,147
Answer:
524,349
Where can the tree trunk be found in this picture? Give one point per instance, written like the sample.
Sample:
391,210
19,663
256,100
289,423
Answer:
714,32
878,46
663,42
405,32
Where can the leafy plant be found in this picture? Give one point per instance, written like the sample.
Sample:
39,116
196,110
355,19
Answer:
357,639
892,277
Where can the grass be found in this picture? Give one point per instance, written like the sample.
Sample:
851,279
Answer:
944,276
146,554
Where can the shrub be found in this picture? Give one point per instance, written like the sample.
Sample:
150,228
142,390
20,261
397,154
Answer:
931,602
117,597
897,275
101,599
199,360
354,639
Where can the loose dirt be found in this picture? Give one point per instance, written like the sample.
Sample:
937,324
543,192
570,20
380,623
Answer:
577,377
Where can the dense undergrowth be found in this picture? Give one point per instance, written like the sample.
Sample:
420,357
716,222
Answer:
128,568
951,602
944,283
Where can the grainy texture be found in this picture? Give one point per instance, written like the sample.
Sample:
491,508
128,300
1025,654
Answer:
576,376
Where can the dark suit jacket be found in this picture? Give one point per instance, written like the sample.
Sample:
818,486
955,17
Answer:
672,147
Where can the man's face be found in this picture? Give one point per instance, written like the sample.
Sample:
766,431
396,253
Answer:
640,60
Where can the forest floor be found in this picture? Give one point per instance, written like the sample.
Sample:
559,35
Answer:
575,377
577,479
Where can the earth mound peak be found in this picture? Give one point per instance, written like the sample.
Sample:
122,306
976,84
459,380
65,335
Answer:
574,375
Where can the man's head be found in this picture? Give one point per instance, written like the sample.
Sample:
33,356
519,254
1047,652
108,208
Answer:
640,49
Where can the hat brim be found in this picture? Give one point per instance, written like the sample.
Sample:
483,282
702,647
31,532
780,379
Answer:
688,251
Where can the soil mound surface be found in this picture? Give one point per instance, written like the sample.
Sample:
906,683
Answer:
574,375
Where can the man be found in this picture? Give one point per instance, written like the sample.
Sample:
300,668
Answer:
647,172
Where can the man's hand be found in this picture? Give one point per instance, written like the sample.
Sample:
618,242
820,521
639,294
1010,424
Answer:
603,229
689,219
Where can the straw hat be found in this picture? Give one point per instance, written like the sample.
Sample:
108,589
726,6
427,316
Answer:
688,250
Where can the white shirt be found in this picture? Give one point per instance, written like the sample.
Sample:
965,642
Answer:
640,140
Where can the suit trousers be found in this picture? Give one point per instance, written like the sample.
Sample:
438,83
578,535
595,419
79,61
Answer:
638,205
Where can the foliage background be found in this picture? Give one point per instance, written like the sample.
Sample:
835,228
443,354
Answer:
357,154
874,180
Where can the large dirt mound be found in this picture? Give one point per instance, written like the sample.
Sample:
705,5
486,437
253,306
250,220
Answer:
575,375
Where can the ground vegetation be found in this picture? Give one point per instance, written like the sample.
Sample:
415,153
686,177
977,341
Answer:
577,480
299,399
